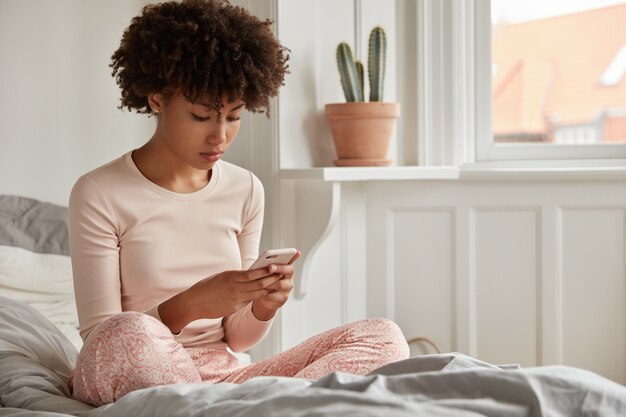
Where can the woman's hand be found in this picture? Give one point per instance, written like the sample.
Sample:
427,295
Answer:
265,307
218,296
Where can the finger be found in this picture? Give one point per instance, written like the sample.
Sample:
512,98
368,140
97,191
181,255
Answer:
282,285
261,283
277,297
251,275
256,294
284,270
281,269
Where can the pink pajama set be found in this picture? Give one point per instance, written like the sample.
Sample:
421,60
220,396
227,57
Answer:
135,244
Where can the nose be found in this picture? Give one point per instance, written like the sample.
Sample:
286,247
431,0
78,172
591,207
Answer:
217,133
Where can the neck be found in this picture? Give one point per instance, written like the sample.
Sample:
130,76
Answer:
167,170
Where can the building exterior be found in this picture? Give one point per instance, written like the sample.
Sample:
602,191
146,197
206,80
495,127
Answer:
561,79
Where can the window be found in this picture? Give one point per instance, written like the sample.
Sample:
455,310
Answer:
551,76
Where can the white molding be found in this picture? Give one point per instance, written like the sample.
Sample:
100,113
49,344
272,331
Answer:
540,278
464,279
624,302
423,148
504,208
513,152
472,319
592,207
345,254
454,274
548,290
390,308
614,164
538,173
408,44
464,85
431,63
482,63
446,89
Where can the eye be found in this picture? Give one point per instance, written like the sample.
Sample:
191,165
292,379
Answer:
199,118
234,118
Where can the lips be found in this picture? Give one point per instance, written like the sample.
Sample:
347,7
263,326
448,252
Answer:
211,156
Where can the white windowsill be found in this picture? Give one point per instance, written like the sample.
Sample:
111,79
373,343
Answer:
530,171
394,173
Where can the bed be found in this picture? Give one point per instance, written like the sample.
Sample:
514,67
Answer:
39,346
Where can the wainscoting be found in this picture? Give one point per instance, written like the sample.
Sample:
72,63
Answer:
528,272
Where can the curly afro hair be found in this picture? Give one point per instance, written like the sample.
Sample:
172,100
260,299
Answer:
206,49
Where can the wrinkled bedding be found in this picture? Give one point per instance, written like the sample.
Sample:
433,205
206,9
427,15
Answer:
36,359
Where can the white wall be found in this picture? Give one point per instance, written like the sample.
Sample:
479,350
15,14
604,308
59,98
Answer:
312,30
58,107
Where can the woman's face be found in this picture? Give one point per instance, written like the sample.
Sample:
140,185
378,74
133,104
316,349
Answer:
192,132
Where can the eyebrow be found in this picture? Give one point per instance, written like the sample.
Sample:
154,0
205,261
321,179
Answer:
238,107
233,109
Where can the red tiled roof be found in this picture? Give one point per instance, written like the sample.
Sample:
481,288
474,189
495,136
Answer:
554,66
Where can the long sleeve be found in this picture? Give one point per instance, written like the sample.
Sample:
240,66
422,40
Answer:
95,255
242,329
249,238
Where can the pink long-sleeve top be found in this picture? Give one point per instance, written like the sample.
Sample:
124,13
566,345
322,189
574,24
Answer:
135,244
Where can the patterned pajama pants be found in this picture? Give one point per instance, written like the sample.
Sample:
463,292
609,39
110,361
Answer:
130,351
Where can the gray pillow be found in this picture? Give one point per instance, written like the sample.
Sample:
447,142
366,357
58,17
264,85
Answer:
33,225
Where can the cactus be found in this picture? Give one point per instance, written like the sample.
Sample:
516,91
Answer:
348,73
351,72
376,62
360,76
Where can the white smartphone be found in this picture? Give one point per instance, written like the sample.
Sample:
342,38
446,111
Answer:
283,256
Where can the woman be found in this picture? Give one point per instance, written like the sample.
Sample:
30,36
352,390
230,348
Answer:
161,238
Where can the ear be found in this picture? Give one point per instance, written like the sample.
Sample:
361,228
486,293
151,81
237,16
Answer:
156,102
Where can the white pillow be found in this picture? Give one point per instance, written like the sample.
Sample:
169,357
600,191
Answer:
43,281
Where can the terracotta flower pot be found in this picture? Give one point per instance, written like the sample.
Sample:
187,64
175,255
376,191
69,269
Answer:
362,131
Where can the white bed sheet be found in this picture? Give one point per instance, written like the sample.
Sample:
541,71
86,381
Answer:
36,358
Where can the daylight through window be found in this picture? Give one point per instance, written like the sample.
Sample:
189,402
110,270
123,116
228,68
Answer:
558,75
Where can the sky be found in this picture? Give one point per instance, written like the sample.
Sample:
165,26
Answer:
516,11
